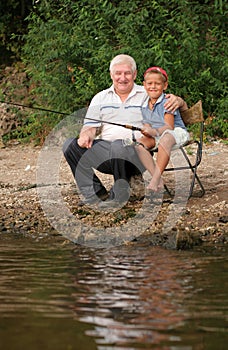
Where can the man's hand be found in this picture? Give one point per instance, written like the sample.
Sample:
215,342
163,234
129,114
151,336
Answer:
174,102
86,137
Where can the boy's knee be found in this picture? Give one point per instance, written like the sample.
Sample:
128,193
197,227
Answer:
167,139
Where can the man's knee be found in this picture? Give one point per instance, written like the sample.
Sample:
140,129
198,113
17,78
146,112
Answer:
118,150
67,146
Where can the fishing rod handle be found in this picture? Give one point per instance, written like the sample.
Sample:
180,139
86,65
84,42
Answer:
135,128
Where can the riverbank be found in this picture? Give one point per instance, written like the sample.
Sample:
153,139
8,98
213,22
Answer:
203,220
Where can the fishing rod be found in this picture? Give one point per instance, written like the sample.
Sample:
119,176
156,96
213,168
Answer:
31,107
127,126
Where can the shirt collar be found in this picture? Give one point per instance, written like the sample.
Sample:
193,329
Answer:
160,98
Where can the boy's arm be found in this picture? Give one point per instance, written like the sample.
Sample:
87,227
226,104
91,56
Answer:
149,131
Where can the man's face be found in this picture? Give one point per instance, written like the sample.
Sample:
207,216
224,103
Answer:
123,78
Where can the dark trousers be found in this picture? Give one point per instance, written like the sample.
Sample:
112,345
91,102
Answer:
107,157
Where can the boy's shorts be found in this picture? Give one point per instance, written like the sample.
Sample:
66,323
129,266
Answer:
180,135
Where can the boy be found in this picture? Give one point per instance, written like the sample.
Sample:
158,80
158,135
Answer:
162,129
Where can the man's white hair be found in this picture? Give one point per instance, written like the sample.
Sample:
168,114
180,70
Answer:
123,59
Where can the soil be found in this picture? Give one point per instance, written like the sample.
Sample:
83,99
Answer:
203,221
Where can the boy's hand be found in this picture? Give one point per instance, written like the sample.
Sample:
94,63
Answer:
148,131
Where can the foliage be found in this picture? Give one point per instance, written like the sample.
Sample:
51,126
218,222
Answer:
12,28
35,126
69,46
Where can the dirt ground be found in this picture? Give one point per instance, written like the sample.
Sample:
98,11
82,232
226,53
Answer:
204,219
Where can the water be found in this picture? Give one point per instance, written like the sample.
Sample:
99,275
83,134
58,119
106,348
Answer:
67,297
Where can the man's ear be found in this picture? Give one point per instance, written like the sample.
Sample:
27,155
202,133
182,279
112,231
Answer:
135,74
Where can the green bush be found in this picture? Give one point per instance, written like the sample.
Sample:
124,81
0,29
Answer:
12,28
69,46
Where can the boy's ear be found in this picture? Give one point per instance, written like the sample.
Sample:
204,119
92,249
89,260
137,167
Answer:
165,85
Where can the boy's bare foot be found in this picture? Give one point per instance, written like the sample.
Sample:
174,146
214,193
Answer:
156,186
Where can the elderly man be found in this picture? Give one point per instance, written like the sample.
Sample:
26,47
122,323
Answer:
98,146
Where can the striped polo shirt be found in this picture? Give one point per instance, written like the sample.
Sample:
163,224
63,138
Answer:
107,106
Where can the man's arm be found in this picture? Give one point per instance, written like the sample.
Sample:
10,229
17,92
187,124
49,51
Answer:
174,102
89,132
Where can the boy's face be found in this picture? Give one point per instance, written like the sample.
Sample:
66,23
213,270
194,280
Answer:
154,84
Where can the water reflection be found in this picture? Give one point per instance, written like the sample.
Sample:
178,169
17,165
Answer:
131,297
144,295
